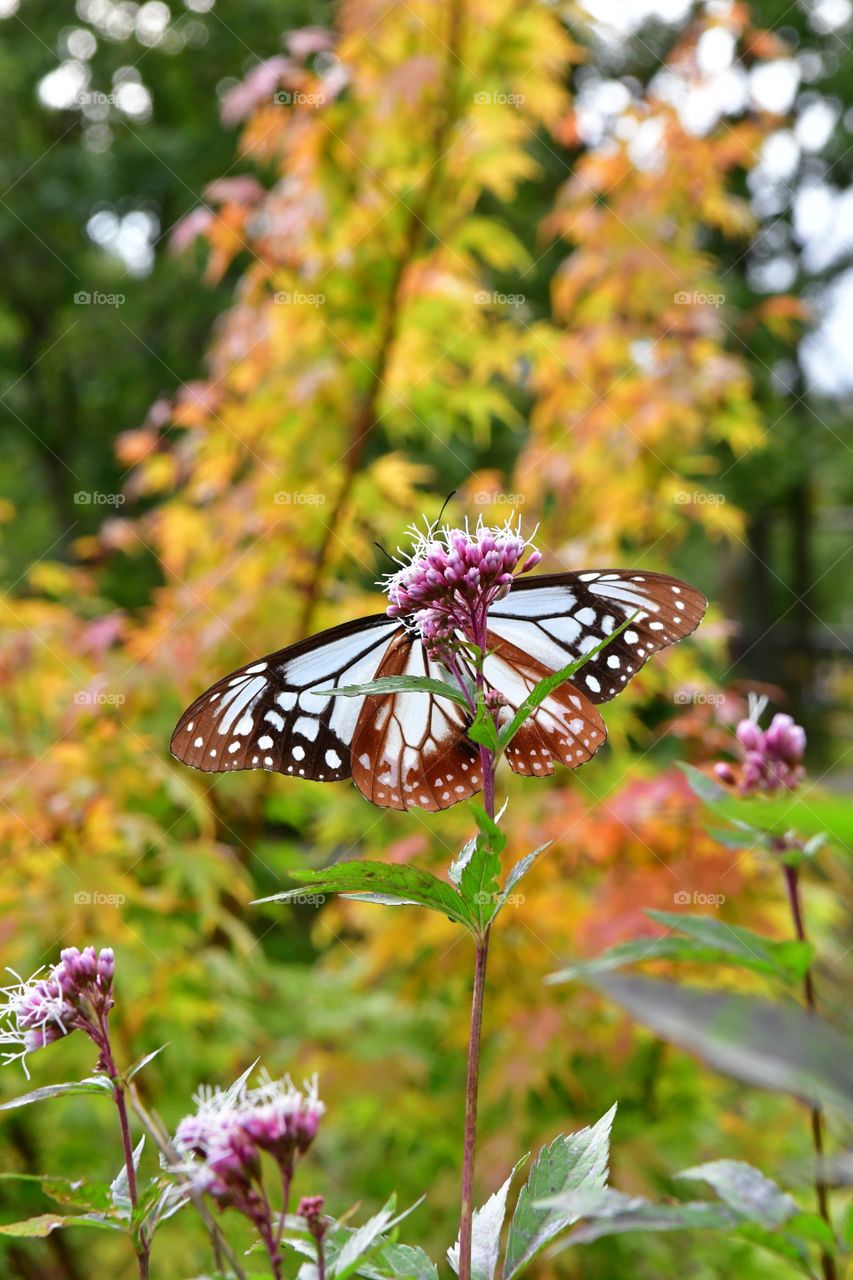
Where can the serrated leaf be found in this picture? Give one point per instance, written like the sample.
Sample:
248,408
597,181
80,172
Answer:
775,1046
611,1213
400,684
83,1193
360,1242
400,1260
460,862
520,869
143,1062
482,729
577,1162
479,886
546,686
44,1223
746,1190
119,1188
381,880
486,1226
94,1084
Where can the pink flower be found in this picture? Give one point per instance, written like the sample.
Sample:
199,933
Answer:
451,579
222,1141
772,758
75,994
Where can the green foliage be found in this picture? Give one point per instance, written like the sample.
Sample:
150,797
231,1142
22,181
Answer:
776,1046
577,1163
708,941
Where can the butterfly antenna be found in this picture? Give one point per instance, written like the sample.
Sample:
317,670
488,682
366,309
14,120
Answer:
452,494
387,553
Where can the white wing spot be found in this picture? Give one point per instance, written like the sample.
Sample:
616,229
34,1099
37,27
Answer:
333,759
199,742
656,626
268,761
613,662
245,725
631,637
273,718
190,726
587,577
364,759
253,671
586,616
234,746
265,742
298,752
593,684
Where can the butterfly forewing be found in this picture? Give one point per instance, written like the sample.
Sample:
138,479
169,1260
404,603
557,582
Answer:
565,728
410,749
557,618
269,715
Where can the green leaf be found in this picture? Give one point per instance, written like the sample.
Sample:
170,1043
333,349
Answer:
702,786
459,863
400,1260
94,1084
805,811
611,1213
746,1190
382,882
486,1226
143,1062
574,1163
479,885
709,940
400,684
83,1193
482,729
520,869
44,1223
547,686
361,1241
775,1046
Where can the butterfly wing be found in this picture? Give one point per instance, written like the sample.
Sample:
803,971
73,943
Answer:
557,618
566,727
268,714
409,749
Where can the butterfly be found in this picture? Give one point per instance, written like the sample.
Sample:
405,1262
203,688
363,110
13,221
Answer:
409,749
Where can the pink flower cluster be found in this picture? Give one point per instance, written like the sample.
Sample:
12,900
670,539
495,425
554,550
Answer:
772,758
452,578
222,1141
76,994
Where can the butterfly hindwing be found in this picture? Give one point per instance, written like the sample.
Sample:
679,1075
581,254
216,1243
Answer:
410,749
556,618
565,728
268,715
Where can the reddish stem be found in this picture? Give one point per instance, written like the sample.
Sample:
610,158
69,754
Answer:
107,1063
792,885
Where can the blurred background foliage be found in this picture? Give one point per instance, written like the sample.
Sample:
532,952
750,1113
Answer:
585,262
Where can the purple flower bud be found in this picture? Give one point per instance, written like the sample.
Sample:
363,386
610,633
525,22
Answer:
750,736
725,773
106,967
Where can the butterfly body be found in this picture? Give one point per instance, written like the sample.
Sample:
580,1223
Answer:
410,749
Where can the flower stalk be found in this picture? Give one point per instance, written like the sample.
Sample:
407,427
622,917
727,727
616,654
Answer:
792,886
